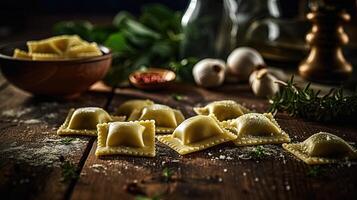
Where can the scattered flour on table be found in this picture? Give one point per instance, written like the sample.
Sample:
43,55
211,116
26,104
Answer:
99,168
43,153
31,121
16,113
247,153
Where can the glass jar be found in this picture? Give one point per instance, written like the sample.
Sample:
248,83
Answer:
280,36
210,28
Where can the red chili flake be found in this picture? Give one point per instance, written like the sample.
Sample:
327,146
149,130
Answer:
149,77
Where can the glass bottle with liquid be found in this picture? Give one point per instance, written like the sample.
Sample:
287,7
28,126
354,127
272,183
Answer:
210,28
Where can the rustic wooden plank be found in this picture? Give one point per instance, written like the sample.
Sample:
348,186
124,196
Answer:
222,172
33,158
3,82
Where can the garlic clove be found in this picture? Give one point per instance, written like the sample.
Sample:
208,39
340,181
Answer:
253,75
262,73
242,61
277,73
264,84
209,72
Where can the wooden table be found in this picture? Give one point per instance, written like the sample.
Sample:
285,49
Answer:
35,163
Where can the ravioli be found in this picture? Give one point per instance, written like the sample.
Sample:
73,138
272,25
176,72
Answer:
197,133
86,50
58,48
18,53
256,129
44,46
135,138
223,110
83,121
322,148
166,119
128,107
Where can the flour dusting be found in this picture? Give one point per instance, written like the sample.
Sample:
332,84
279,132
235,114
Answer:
46,152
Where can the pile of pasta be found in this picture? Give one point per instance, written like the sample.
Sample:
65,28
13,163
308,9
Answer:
58,48
133,132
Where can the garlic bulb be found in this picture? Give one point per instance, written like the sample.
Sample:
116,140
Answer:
242,61
209,72
263,84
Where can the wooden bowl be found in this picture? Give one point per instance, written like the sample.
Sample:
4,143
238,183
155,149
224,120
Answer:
58,78
167,76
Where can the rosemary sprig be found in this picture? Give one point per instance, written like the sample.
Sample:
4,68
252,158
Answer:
309,104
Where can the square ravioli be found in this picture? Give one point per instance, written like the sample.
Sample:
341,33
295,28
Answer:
256,129
83,121
128,107
322,148
223,110
197,133
61,47
136,138
166,119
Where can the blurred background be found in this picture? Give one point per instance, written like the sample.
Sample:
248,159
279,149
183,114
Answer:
34,18
276,28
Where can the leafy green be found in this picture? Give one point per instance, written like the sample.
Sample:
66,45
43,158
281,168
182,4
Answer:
101,34
67,140
309,104
153,17
69,171
121,17
315,171
184,68
117,43
152,39
81,28
177,97
140,30
258,152
167,174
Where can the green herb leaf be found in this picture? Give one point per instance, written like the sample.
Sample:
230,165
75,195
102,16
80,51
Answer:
258,152
177,97
154,14
101,34
117,43
183,68
121,17
140,29
69,171
315,171
67,140
81,28
167,174
162,49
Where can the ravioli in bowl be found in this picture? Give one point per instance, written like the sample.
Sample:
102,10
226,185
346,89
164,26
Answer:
64,47
61,66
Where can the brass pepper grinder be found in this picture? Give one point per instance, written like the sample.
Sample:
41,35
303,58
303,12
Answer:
325,62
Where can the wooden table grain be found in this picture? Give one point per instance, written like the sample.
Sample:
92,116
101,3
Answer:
34,160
